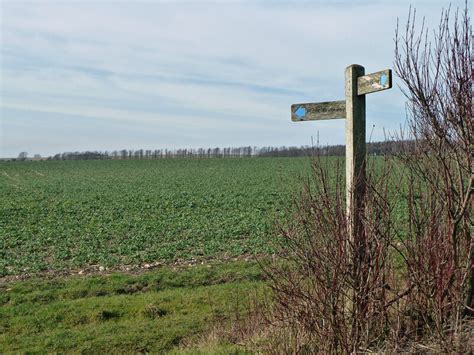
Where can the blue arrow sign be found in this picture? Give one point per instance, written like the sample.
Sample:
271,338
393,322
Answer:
300,112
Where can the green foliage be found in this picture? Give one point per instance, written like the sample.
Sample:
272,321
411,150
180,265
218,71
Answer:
152,312
57,215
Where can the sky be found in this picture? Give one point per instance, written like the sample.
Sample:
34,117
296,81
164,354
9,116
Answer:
111,75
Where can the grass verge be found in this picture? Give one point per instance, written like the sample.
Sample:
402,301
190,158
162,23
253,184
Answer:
152,312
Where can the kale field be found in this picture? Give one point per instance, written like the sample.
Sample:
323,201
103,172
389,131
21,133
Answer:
62,215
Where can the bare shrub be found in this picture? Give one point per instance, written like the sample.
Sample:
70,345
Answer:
330,296
437,243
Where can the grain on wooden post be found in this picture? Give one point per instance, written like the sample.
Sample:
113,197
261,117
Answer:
355,149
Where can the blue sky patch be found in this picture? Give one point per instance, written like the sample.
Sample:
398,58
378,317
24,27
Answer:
227,75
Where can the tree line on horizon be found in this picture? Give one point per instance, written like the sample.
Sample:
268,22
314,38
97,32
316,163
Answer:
374,148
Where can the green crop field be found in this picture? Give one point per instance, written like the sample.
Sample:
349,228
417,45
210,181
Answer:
59,215
59,219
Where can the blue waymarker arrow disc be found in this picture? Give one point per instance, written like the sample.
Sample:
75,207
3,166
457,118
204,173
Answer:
383,79
300,112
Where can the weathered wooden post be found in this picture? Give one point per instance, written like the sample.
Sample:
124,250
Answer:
355,149
353,110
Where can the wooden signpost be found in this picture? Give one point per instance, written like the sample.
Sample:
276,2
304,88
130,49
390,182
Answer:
353,110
